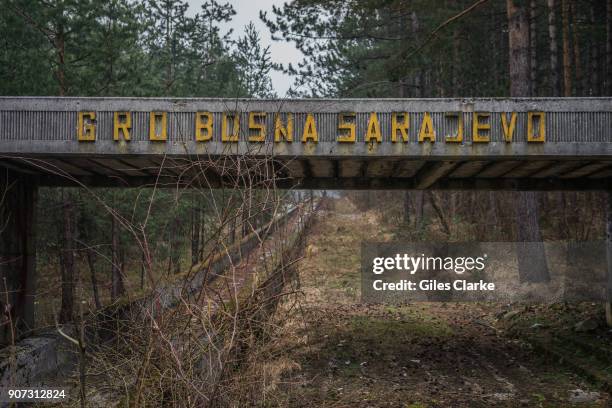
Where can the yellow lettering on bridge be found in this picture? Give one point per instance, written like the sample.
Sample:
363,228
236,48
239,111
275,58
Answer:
402,126
310,130
257,130
478,127
349,127
86,129
204,121
122,123
158,124
283,132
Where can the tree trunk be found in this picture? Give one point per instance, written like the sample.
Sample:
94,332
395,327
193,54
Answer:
532,263
168,49
311,199
87,233
195,232
233,228
609,47
91,262
60,47
518,36
456,77
567,59
246,213
67,308
117,287
419,205
493,215
81,342
172,245
554,47
418,75
533,45
175,251
577,57
594,88
142,270
203,237
530,249
407,207
609,257
435,203
17,254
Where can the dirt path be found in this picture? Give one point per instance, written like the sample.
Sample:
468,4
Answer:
338,353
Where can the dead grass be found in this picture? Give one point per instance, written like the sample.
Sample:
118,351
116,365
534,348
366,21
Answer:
331,351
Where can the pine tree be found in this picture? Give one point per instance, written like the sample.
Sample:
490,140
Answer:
254,64
166,41
63,28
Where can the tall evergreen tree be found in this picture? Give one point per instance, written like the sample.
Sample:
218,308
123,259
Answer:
63,29
166,39
254,64
211,70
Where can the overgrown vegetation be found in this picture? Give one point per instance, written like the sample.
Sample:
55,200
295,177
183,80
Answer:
483,216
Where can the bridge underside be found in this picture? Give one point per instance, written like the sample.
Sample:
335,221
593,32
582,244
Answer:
586,173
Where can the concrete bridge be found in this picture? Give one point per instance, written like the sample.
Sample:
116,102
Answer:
527,144
517,144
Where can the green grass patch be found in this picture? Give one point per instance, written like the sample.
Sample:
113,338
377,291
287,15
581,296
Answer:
409,326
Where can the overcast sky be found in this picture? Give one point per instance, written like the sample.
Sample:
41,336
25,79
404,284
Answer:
248,10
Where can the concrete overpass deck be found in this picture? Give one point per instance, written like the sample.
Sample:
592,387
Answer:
483,143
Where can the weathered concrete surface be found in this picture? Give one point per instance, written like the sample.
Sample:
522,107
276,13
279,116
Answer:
39,136
49,126
38,361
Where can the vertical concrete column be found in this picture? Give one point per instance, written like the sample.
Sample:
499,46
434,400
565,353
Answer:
609,255
18,196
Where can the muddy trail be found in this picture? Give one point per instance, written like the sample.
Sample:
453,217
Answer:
333,351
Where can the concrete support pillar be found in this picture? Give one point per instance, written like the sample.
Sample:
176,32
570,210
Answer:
18,195
609,255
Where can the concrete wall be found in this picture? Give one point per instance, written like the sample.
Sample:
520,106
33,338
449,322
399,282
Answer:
48,126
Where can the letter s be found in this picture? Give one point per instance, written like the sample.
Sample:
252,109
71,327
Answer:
480,263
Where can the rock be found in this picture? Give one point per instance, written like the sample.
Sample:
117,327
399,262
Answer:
511,314
523,369
312,250
586,325
503,396
579,396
